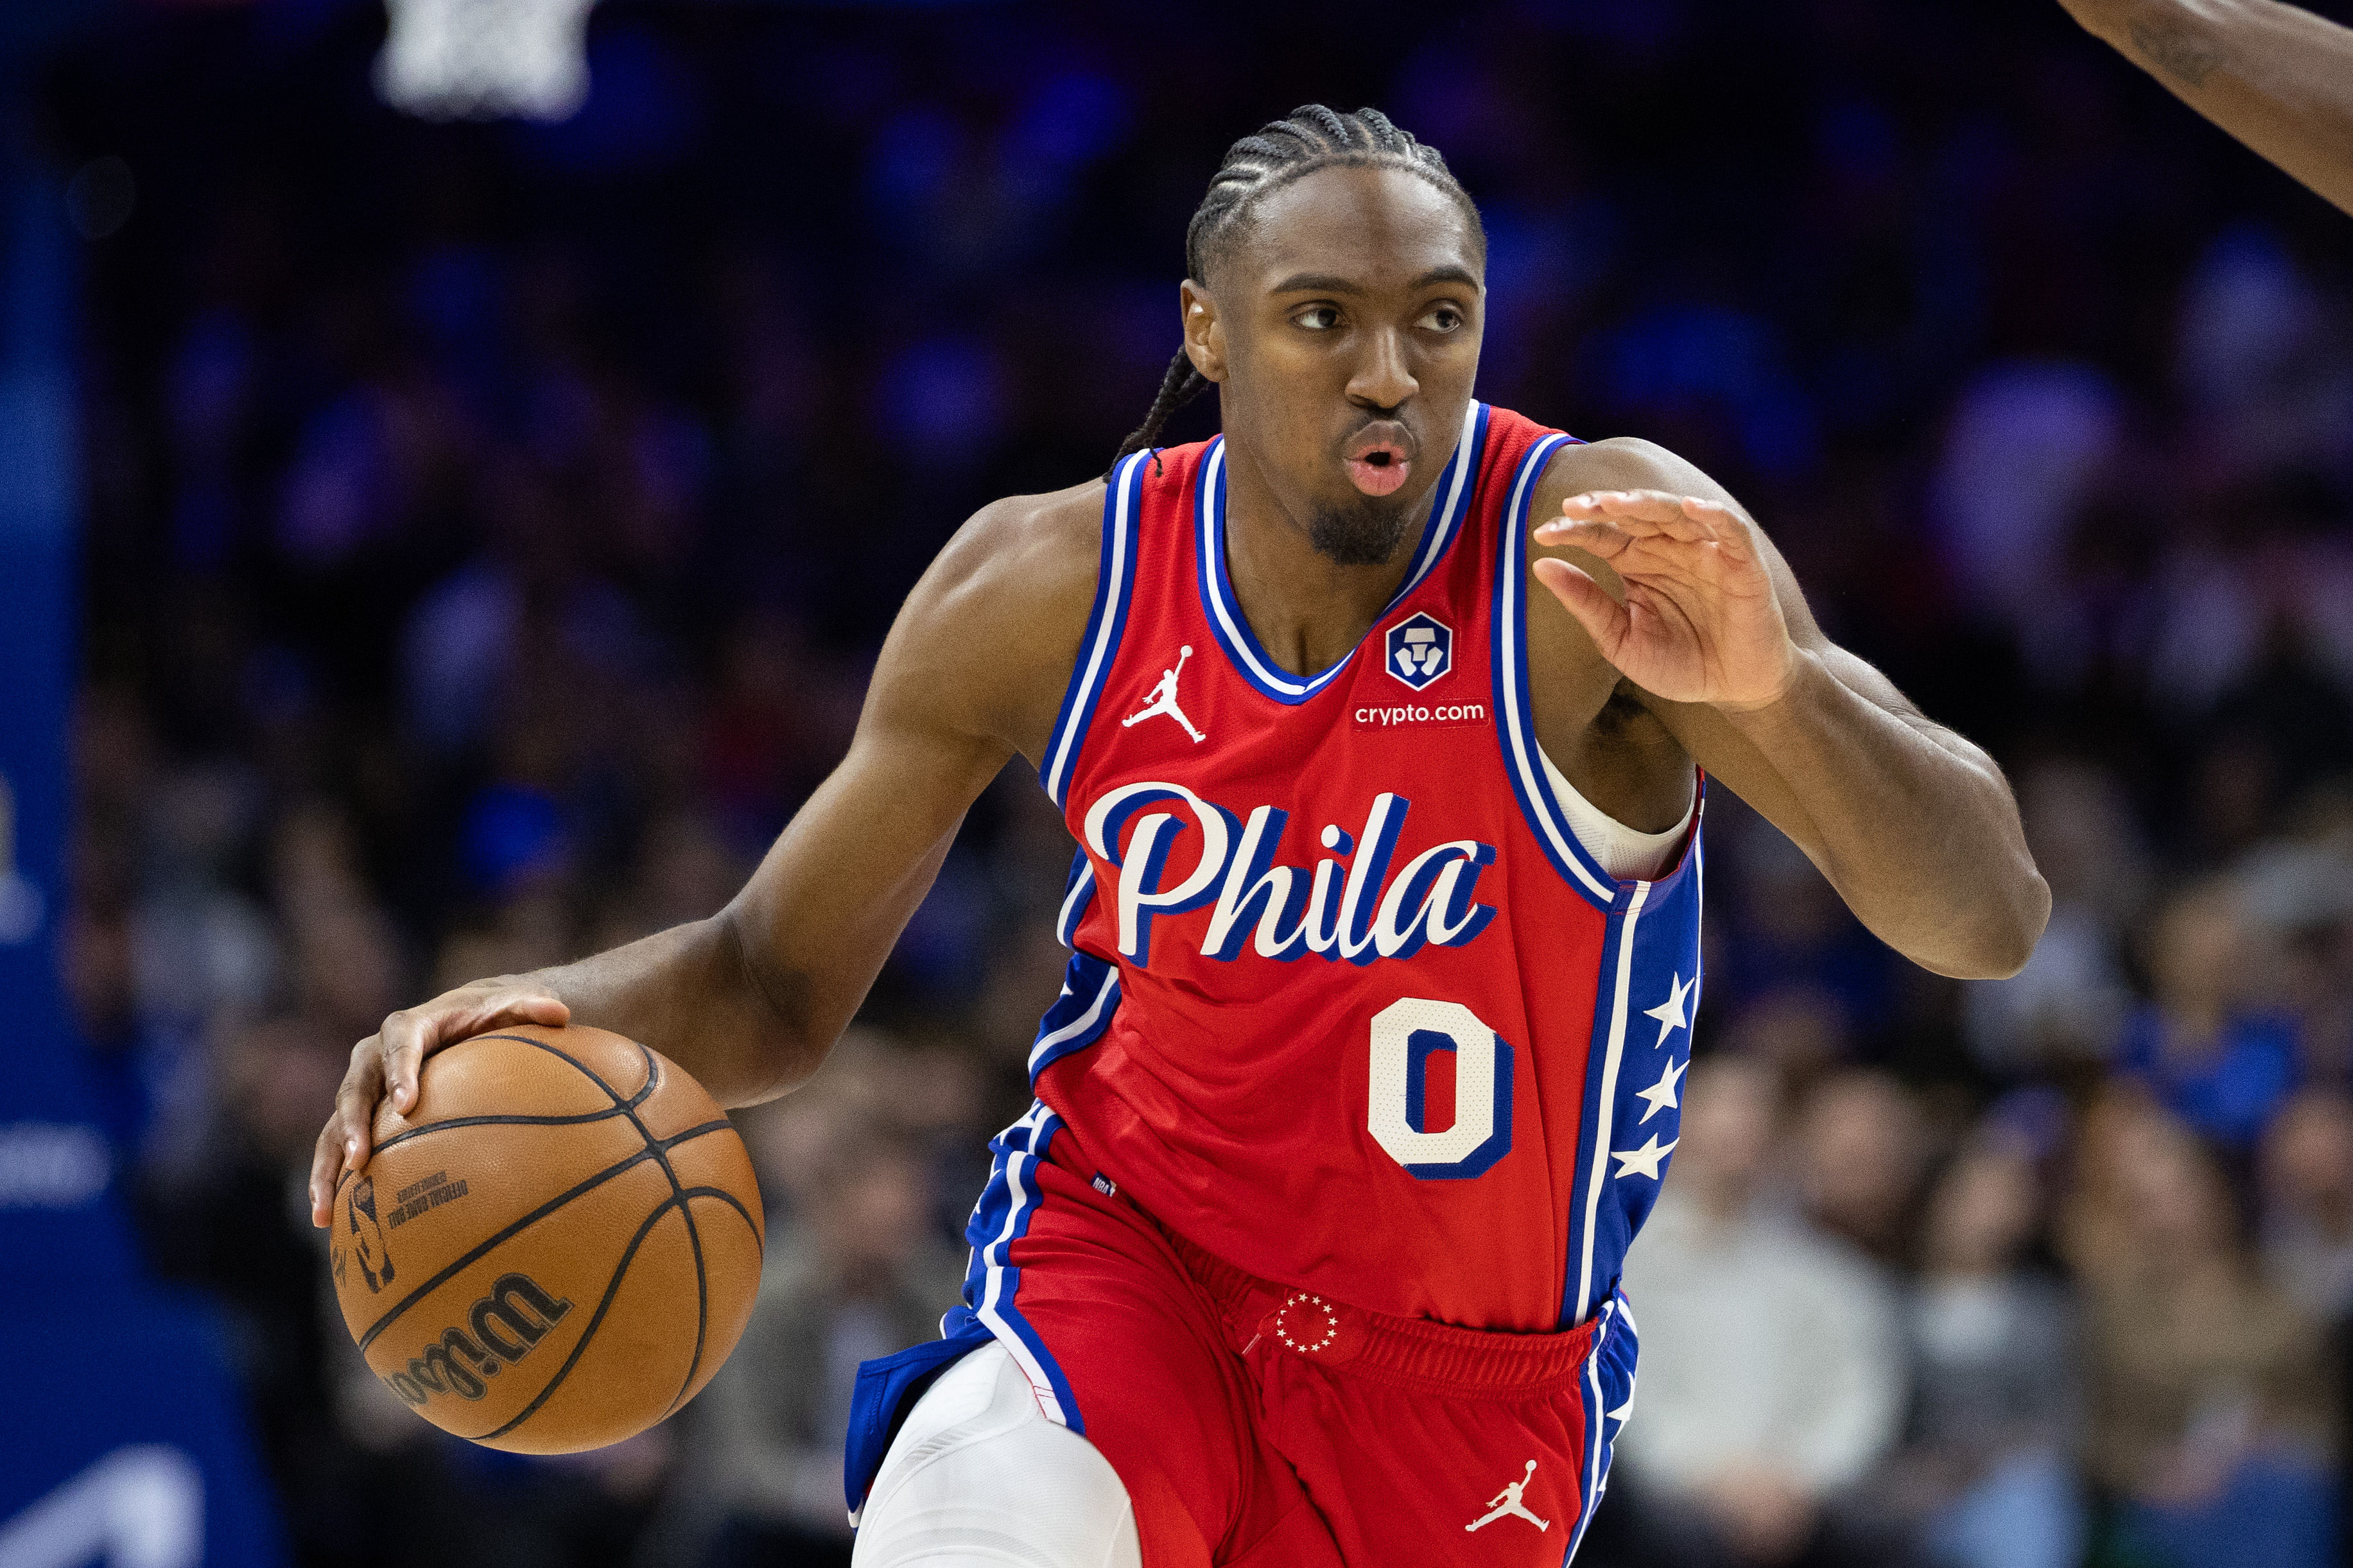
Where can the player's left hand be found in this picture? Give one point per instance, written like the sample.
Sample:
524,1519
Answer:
1701,622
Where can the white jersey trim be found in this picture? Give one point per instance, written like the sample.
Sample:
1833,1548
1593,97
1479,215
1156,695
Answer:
1605,1104
1448,503
1114,580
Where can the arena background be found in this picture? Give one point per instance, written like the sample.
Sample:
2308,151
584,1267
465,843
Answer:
429,550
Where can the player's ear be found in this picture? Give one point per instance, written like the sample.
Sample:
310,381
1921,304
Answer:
1205,339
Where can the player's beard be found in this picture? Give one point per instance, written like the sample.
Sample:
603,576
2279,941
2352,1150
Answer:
1363,534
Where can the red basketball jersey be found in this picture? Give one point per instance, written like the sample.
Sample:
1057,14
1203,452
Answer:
1349,1006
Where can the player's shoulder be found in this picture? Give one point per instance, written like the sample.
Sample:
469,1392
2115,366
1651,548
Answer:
1616,463
1025,557
989,634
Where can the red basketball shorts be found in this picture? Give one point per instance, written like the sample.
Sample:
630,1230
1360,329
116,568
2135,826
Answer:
1260,1425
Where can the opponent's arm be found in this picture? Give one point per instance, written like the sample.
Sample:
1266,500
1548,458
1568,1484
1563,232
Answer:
2278,78
751,999
1913,825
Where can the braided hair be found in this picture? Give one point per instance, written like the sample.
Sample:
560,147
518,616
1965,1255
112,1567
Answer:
1313,136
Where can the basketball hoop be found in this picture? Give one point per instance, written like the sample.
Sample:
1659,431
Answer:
485,59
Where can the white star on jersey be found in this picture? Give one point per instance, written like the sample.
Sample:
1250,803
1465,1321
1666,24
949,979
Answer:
1661,1094
1670,1012
1643,1162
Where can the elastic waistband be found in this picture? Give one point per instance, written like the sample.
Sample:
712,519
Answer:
1261,1314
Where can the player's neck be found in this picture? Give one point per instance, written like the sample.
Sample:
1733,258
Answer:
1306,609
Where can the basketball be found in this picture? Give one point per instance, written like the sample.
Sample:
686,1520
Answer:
556,1248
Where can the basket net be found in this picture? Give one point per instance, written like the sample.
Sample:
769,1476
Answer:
485,59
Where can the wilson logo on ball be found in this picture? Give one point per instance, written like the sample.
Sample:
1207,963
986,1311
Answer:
598,1170
506,1323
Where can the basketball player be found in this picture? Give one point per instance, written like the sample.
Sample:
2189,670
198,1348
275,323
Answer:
2278,78
1385,923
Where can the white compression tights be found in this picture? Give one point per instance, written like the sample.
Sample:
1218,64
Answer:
978,1477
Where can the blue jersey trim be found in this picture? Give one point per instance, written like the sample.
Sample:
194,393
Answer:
1607,1391
1078,893
1522,761
1594,1469
1650,970
1449,503
1612,999
1515,706
992,1283
1115,581
1080,1016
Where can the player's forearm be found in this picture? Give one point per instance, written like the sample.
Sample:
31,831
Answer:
689,993
750,1000
814,928
2278,78
1916,829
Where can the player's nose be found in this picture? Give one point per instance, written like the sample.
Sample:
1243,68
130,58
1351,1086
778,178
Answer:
1382,379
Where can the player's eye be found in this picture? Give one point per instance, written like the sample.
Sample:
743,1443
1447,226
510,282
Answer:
1441,319
1318,318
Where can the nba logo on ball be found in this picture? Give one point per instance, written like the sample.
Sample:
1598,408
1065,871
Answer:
1421,651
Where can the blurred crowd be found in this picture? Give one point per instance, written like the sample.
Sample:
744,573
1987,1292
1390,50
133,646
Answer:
490,528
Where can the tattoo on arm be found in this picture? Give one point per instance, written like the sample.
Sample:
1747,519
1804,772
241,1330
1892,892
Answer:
2172,49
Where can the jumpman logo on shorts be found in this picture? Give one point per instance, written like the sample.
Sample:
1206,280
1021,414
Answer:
1507,1503
1164,700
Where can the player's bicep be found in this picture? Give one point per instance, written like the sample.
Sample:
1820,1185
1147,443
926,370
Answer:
830,899
1740,765
1851,670
1629,462
977,653
982,648
861,852
1705,734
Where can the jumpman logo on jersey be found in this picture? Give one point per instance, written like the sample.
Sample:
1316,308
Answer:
1164,700
1506,1502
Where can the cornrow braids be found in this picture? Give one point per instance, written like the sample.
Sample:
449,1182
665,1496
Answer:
1312,136
1178,387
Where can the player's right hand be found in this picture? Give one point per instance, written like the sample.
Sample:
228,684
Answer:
387,1063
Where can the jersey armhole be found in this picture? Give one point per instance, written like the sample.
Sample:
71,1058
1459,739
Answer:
1114,578
1524,760
1610,842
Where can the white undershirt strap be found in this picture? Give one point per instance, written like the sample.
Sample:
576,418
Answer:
1625,852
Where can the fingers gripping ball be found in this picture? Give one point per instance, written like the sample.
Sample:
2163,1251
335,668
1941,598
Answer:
556,1247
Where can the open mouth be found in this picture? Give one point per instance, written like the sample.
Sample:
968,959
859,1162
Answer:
1377,466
